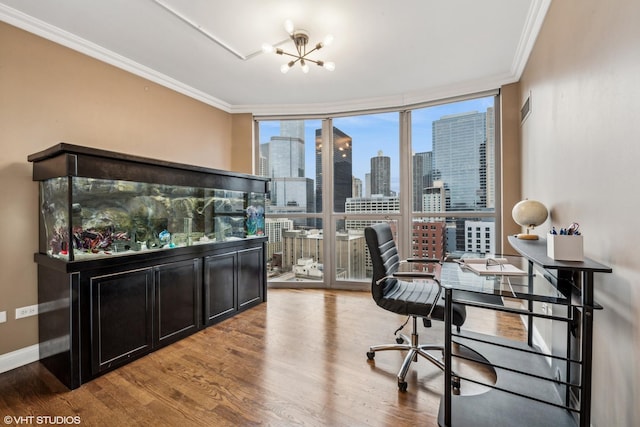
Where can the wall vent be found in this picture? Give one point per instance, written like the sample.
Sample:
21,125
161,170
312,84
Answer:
526,109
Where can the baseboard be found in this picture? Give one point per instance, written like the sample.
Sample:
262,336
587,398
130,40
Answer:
15,359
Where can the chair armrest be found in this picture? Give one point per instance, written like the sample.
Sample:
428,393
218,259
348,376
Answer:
423,260
414,274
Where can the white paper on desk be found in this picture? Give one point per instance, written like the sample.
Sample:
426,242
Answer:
495,267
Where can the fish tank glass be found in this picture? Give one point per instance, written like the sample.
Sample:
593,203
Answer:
84,218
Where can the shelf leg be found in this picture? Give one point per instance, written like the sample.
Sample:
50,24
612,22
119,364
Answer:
587,351
530,305
448,316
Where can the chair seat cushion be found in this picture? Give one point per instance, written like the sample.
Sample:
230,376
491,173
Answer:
415,299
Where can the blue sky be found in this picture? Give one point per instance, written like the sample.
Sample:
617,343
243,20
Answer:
374,132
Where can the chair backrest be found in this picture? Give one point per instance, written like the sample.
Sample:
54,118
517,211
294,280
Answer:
384,256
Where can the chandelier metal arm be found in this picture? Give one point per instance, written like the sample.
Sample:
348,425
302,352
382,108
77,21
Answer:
300,57
300,40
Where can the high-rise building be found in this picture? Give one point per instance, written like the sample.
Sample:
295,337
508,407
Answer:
381,175
459,159
416,184
422,177
285,156
433,199
291,192
292,129
429,239
342,167
284,163
491,158
367,184
263,165
356,190
480,237
274,227
375,204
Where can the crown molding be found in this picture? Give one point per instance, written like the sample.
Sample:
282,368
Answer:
535,18
56,35
396,102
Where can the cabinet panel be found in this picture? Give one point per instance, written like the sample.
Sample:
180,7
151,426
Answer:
121,317
177,300
250,271
220,286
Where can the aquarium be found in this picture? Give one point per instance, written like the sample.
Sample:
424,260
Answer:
85,218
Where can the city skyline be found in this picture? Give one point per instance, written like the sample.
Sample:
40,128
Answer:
378,132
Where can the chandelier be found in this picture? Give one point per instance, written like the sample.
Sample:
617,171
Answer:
300,39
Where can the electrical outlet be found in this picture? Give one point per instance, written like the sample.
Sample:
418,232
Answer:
3,316
30,310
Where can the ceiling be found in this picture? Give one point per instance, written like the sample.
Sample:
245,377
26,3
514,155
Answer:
387,53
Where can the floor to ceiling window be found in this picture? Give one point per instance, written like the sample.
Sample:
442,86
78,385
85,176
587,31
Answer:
366,187
454,178
430,171
289,156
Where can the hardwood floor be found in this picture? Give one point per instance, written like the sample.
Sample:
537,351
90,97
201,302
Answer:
299,359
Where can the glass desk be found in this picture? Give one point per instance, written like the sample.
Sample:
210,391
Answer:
527,388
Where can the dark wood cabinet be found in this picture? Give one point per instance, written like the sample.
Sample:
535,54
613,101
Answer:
178,288
121,317
220,286
250,277
136,253
134,312
233,281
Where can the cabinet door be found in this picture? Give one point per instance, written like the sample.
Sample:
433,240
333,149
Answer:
121,313
250,280
177,294
219,286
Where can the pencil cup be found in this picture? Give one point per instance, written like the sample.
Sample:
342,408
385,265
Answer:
565,248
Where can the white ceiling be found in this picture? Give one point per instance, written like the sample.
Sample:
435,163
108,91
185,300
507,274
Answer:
387,53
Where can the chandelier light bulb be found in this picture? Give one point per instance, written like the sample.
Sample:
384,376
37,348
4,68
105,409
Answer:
284,68
305,66
267,48
329,66
288,26
327,40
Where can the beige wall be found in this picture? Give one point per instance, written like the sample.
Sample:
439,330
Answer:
510,156
581,157
51,94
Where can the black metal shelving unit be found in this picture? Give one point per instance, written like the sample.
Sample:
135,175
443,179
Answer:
529,388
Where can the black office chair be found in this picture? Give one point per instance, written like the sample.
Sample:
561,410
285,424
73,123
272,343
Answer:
421,298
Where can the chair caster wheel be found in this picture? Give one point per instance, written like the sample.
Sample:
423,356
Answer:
399,340
371,355
402,385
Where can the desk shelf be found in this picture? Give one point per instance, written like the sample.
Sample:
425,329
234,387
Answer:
529,388
524,389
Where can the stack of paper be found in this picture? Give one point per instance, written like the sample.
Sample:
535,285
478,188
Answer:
491,267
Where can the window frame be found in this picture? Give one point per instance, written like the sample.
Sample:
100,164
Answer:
406,216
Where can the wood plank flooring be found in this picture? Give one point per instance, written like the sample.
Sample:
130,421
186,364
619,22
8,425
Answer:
298,360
